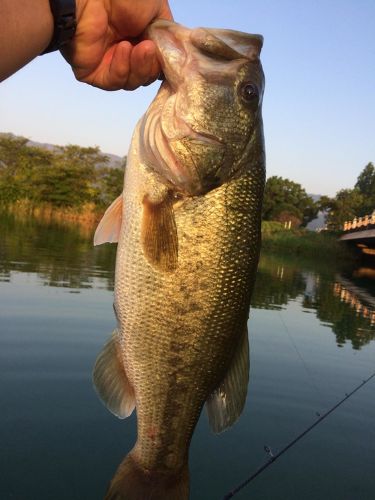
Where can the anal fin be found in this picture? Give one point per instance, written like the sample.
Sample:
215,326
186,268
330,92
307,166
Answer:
110,380
225,404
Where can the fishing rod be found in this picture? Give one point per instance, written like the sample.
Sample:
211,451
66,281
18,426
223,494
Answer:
273,457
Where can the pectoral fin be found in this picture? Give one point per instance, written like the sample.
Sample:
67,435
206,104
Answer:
225,404
108,230
111,382
159,234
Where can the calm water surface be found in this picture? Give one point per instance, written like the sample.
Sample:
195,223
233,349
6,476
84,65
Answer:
312,339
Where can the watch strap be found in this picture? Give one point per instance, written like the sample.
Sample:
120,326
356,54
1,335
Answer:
64,23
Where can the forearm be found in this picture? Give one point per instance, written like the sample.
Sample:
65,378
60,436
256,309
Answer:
108,49
26,28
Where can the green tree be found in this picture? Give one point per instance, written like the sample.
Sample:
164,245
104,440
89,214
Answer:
110,185
366,186
284,198
63,176
19,163
351,203
72,179
346,205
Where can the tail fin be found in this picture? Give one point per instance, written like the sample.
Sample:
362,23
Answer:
133,483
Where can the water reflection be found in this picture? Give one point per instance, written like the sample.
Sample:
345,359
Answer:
338,302
277,283
60,255
341,305
49,341
63,256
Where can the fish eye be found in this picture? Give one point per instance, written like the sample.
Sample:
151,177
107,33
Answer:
249,93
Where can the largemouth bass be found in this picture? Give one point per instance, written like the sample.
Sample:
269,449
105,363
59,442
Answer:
188,232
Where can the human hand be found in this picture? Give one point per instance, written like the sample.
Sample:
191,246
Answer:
108,50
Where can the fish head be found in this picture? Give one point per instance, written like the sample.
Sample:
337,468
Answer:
198,130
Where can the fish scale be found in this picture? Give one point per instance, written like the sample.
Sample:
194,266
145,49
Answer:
222,289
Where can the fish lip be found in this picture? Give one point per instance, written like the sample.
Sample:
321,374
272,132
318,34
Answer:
169,39
158,23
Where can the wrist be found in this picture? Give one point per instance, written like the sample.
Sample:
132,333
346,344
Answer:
64,23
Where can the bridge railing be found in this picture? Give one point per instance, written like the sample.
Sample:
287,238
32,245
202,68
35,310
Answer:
360,223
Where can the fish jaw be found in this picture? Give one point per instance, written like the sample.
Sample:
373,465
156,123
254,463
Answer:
172,39
172,148
176,149
197,128
181,141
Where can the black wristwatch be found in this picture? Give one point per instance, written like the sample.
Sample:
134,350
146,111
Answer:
64,23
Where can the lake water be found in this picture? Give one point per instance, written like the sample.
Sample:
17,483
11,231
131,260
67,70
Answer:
312,339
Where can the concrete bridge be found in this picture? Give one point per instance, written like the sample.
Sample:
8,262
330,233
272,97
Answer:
361,231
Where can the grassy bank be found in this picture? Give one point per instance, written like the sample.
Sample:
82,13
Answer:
276,239
87,216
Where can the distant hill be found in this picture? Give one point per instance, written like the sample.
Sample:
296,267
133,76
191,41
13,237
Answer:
319,222
114,160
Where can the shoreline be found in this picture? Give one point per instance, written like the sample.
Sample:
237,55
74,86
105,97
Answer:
87,215
275,238
304,243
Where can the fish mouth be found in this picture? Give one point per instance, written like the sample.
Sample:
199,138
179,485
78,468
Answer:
170,39
191,156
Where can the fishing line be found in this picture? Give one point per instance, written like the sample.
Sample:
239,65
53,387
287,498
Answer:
310,377
273,457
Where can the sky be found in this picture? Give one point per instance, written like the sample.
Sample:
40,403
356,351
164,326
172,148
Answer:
319,104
